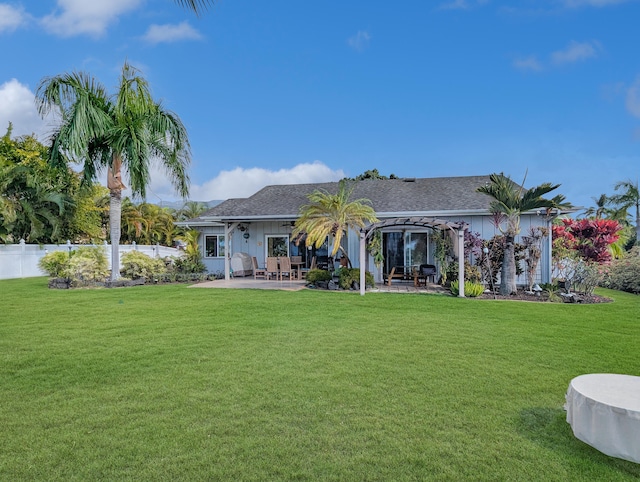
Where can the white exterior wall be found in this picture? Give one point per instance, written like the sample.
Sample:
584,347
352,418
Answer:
258,230
484,226
254,245
21,260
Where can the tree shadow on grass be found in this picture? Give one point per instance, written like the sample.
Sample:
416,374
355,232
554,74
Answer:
548,427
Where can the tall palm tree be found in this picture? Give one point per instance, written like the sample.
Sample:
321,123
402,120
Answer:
190,210
629,198
600,211
511,200
196,5
332,214
127,130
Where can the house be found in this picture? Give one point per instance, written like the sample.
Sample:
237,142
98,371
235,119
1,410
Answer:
410,211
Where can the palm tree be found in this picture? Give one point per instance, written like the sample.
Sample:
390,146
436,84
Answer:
196,5
190,210
628,199
600,211
332,214
126,130
511,200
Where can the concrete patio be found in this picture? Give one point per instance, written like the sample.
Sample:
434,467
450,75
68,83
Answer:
296,285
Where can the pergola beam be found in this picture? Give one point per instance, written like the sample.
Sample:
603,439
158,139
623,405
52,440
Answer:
423,222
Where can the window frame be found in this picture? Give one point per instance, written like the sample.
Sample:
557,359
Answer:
219,243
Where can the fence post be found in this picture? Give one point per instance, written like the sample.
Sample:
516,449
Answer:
23,248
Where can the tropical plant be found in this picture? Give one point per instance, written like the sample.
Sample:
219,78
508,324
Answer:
371,174
190,210
349,276
315,275
197,6
442,252
55,264
124,131
88,264
36,200
471,289
533,248
333,215
593,239
191,261
629,198
511,201
136,265
492,261
624,274
375,248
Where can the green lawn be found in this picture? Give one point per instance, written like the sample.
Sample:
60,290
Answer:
167,382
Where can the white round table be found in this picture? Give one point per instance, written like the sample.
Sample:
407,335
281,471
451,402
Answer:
603,410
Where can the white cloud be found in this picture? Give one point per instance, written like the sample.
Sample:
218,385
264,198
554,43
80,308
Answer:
86,17
530,64
171,33
18,107
575,52
359,41
240,182
11,18
632,100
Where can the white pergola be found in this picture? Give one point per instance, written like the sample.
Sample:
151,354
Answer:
421,222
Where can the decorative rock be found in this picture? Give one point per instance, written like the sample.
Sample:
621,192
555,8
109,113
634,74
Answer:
59,283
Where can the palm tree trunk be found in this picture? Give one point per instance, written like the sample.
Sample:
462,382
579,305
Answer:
508,273
637,222
115,210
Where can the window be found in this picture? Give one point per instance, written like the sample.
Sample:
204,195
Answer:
277,245
214,246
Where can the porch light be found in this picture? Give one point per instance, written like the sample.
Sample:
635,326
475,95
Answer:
246,235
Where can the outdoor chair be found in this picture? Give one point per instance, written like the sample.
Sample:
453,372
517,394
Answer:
426,271
258,272
272,268
303,271
285,268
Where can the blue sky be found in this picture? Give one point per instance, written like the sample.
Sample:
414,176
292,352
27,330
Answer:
296,91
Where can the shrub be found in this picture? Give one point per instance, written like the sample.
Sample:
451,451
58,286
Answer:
315,275
55,264
552,292
88,263
586,276
470,289
472,273
624,274
189,264
348,276
137,265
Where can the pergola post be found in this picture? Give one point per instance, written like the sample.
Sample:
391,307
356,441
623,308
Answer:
434,223
461,262
228,229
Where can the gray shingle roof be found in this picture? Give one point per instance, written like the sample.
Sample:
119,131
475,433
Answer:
425,195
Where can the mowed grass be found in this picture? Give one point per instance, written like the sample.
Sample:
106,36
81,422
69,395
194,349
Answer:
174,383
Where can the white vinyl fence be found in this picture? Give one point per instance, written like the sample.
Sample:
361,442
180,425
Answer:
21,260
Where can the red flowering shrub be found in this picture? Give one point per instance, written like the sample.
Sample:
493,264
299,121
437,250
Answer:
591,238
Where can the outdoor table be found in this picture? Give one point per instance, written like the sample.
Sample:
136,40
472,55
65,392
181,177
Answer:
297,265
604,411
